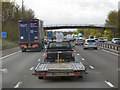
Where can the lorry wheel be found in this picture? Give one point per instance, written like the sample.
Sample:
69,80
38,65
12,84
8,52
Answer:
80,76
23,50
95,48
40,77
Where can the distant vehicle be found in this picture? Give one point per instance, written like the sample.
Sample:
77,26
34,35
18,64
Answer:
91,37
69,37
116,40
31,34
59,36
59,61
90,43
79,41
75,37
102,39
96,38
45,41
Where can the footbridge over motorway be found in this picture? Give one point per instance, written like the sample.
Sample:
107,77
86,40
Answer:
82,26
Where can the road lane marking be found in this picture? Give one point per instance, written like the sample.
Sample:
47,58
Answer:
110,84
4,70
39,59
111,52
75,51
10,55
44,54
18,85
78,54
31,68
91,67
118,69
83,59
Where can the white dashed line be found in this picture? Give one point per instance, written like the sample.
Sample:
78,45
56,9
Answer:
18,85
91,67
4,70
110,84
10,55
111,52
75,51
39,59
44,54
31,68
83,59
78,54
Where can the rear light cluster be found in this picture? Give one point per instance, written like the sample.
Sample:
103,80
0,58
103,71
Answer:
85,43
72,54
35,45
46,55
23,45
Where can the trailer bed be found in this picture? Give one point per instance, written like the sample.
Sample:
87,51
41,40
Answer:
59,69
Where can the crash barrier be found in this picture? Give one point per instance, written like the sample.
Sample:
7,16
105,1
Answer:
107,46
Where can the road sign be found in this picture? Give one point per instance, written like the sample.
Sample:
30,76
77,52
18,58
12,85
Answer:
49,34
4,34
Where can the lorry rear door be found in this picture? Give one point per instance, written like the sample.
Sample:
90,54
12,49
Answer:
23,29
33,33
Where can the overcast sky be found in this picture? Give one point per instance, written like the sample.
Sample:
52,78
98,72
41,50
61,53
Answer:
71,11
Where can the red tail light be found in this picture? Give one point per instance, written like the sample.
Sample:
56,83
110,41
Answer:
72,54
46,55
85,43
42,74
78,73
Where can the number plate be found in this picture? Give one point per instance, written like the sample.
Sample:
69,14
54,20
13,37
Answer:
90,44
62,60
29,45
61,73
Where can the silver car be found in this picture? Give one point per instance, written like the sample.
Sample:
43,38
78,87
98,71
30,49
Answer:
90,43
79,41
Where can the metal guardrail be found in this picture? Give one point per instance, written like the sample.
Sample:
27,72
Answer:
111,47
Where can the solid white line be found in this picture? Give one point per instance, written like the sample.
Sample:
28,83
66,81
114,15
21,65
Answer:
110,84
91,67
31,68
18,85
110,52
10,54
83,59
39,59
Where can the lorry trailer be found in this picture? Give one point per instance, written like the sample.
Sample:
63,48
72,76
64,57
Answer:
31,35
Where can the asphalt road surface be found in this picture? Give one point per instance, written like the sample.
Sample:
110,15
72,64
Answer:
102,70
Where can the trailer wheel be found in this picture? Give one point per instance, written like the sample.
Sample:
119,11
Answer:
40,77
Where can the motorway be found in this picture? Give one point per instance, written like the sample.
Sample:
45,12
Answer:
102,68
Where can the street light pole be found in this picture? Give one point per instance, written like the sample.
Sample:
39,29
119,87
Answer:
22,6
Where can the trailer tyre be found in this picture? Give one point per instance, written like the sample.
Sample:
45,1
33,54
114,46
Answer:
40,77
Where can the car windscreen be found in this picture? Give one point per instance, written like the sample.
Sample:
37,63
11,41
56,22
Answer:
117,39
91,41
79,39
59,45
